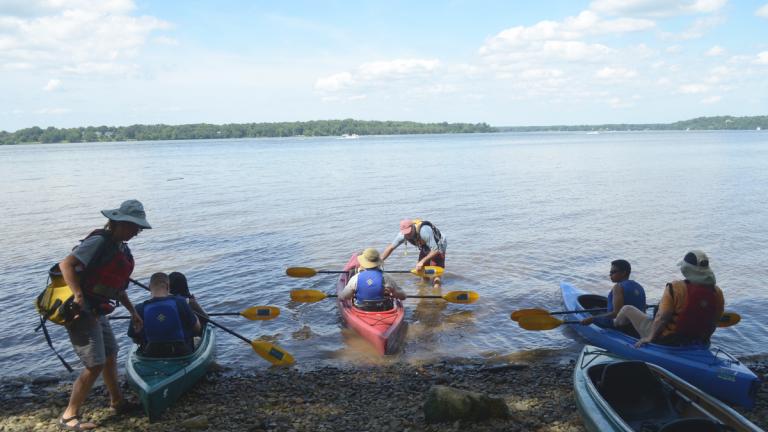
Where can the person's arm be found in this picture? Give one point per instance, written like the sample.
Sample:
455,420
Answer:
663,317
136,320
392,289
68,272
349,290
399,239
427,258
196,306
387,252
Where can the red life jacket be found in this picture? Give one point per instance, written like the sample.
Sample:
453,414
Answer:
696,320
108,272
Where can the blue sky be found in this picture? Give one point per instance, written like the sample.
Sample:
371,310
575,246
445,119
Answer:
71,63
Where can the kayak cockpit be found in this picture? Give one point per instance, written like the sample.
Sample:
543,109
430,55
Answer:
647,400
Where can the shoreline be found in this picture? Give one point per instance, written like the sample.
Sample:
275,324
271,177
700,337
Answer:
381,398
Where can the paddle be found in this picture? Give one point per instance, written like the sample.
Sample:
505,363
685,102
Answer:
312,296
268,351
253,313
307,272
516,315
548,322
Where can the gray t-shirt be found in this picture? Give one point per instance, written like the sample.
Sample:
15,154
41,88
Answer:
426,234
87,248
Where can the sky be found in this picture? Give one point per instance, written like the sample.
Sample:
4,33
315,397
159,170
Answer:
70,63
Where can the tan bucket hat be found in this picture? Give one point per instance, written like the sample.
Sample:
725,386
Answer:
369,258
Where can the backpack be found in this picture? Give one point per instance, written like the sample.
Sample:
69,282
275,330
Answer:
55,302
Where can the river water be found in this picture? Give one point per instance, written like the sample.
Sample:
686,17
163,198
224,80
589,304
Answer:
521,211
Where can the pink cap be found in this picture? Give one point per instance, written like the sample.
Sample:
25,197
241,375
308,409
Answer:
405,226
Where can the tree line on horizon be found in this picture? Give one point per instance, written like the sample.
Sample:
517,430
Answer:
340,127
699,123
241,130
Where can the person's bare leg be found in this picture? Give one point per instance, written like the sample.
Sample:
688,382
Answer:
80,389
110,380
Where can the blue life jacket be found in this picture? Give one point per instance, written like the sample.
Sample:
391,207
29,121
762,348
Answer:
162,322
370,285
634,295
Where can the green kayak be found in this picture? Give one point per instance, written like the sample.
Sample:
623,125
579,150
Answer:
160,381
615,394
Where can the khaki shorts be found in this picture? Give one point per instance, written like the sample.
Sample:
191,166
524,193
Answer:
92,340
642,323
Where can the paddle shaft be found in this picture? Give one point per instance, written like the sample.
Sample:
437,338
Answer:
407,296
344,271
210,314
248,341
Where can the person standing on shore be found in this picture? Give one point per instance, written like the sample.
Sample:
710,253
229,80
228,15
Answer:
98,271
427,238
625,291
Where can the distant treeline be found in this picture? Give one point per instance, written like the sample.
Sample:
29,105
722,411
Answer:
244,130
700,123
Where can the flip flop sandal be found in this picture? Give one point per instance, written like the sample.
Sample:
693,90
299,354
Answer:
75,427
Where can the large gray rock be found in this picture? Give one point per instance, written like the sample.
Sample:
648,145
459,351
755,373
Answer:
449,404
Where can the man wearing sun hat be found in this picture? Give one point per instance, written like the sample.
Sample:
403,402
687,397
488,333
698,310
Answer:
689,308
371,288
98,271
427,238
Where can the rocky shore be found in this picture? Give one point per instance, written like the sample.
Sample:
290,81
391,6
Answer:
391,398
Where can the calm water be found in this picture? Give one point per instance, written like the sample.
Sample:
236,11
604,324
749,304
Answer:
521,212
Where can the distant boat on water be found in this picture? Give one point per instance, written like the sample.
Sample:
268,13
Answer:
349,136
593,133
758,128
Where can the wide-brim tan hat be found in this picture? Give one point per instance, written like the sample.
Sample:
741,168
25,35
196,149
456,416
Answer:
369,258
695,267
129,211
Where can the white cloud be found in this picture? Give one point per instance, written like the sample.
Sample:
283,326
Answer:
763,11
693,88
762,58
405,74
674,49
84,36
656,8
716,50
53,111
711,100
700,27
618,103
52,85
616,73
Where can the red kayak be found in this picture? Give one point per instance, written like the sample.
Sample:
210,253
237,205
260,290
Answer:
384,329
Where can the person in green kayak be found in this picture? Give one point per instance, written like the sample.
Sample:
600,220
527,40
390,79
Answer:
371,288
169,322
98,271
431,243
625,291
180,287
689,309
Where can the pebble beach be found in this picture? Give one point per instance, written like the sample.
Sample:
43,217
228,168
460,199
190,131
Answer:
390,398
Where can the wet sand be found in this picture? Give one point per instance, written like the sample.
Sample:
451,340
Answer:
389,398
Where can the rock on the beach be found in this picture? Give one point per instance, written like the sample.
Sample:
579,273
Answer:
449,404
198,422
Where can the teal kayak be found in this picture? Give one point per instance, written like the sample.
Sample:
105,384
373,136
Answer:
615,394
159,382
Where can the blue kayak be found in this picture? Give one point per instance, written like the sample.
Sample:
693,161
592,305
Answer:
710,368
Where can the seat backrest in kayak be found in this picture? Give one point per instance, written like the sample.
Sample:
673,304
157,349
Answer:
635,392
